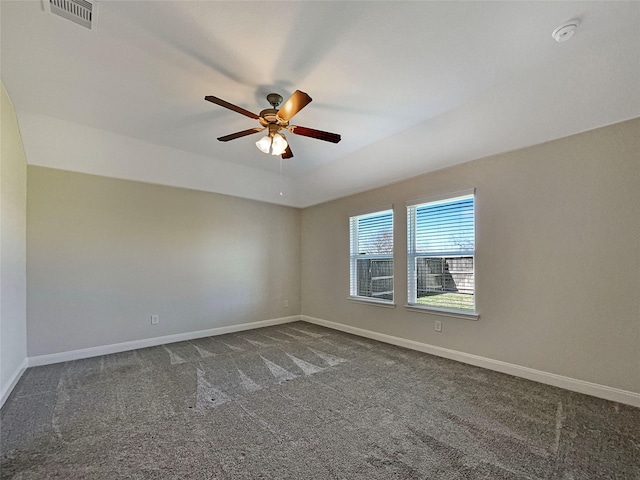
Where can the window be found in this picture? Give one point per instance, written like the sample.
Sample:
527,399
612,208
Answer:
372,256
440,254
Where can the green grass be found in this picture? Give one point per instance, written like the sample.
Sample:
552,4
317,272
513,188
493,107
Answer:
447,300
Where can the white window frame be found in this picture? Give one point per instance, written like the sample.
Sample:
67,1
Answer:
355,254
412,255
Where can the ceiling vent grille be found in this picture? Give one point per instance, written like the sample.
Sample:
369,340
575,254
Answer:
78,11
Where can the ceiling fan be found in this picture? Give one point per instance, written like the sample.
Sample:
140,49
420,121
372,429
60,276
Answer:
276,121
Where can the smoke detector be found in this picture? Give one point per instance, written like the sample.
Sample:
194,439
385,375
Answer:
82,12
565,32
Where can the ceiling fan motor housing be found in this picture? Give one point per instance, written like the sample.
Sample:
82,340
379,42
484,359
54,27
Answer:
270,116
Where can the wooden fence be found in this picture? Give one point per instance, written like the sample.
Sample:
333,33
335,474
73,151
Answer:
445,274
375,278
440,274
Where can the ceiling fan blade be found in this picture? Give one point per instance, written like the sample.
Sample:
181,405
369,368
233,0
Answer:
243,133
313,133
296,102
287,153
231,106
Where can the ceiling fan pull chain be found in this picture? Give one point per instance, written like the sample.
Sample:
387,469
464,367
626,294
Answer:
281,177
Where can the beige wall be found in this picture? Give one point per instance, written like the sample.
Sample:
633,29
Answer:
13,208
557,258
105,254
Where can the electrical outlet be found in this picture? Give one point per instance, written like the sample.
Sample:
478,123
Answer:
437,325
286,304
155,319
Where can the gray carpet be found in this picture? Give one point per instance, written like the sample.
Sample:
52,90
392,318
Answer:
303,402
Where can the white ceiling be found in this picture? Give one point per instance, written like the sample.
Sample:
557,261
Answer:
411,86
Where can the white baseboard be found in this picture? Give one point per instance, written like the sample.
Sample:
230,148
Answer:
152,342
568,383
13,381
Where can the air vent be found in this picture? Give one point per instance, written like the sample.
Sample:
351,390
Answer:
78,11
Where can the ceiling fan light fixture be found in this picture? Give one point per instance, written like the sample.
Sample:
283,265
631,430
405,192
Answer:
264,144
279,144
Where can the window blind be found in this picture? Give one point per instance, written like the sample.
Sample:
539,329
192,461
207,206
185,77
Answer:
373,233
445,228
440,253
371,255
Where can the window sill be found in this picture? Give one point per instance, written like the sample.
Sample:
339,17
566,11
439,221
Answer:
444,313
377,303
